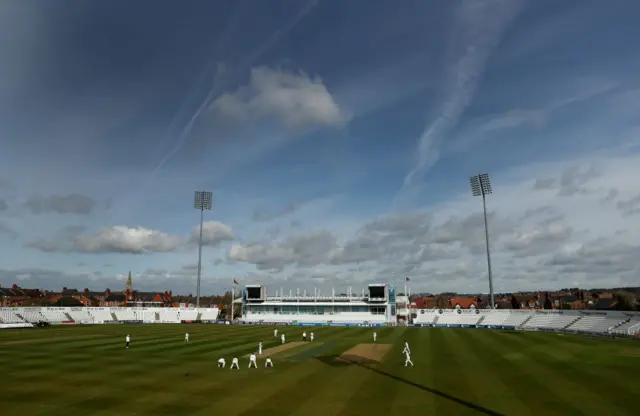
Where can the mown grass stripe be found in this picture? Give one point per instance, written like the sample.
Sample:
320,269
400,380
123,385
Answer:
563,357
376,391
492,382
543,388
86,369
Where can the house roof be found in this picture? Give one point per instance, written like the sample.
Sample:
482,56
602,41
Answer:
464,303
91,294
147,296
606,303
115,298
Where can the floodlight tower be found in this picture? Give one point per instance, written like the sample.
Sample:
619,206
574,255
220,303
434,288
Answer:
201,201
481,186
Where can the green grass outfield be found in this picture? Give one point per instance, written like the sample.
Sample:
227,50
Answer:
86,370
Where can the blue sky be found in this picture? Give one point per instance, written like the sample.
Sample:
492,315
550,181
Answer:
336,136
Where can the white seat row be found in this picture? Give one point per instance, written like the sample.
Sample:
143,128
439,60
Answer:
494,319
81,315
345,317
54,315
32,315
516,319
425,318
598,324
209,314
189,315
8,317
628,328
550,321
101,315
126,315
170,315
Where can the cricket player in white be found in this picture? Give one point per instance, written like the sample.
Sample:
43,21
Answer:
221,363
275,333
260,348
186,338
304,336
311,336
268,363
127,341
375,336
252,361
407,355
234,363
282,338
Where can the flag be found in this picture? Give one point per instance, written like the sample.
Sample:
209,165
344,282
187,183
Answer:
235,282
406,279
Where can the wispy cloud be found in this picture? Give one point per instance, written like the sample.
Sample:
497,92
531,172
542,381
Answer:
479,28
221,81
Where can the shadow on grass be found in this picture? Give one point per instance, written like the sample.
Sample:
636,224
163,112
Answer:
342,361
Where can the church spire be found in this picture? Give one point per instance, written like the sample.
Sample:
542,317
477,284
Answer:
129,287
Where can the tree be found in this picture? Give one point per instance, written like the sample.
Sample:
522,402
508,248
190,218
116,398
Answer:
547,301
625,301
68,301
442,302
514,302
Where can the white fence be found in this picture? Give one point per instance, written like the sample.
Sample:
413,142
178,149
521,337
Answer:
81,315
610,323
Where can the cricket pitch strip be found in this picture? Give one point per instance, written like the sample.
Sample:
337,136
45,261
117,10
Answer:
365,353
270,352
632,352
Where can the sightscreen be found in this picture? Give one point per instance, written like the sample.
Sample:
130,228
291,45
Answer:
253,293
376,292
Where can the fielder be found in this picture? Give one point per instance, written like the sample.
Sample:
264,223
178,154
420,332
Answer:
260,348
304,336
221,363
311,337
127,341
375,336
252,361
186,338
406,347
268,363
234,364
407,355
282,338
275,333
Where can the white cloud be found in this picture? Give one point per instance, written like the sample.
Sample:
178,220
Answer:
549,237
296,100
213,233
131,240
122,239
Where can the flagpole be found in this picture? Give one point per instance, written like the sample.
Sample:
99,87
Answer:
233,290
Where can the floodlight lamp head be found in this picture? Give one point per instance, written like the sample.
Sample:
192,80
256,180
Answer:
485,183
476,189
203,200
480,184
